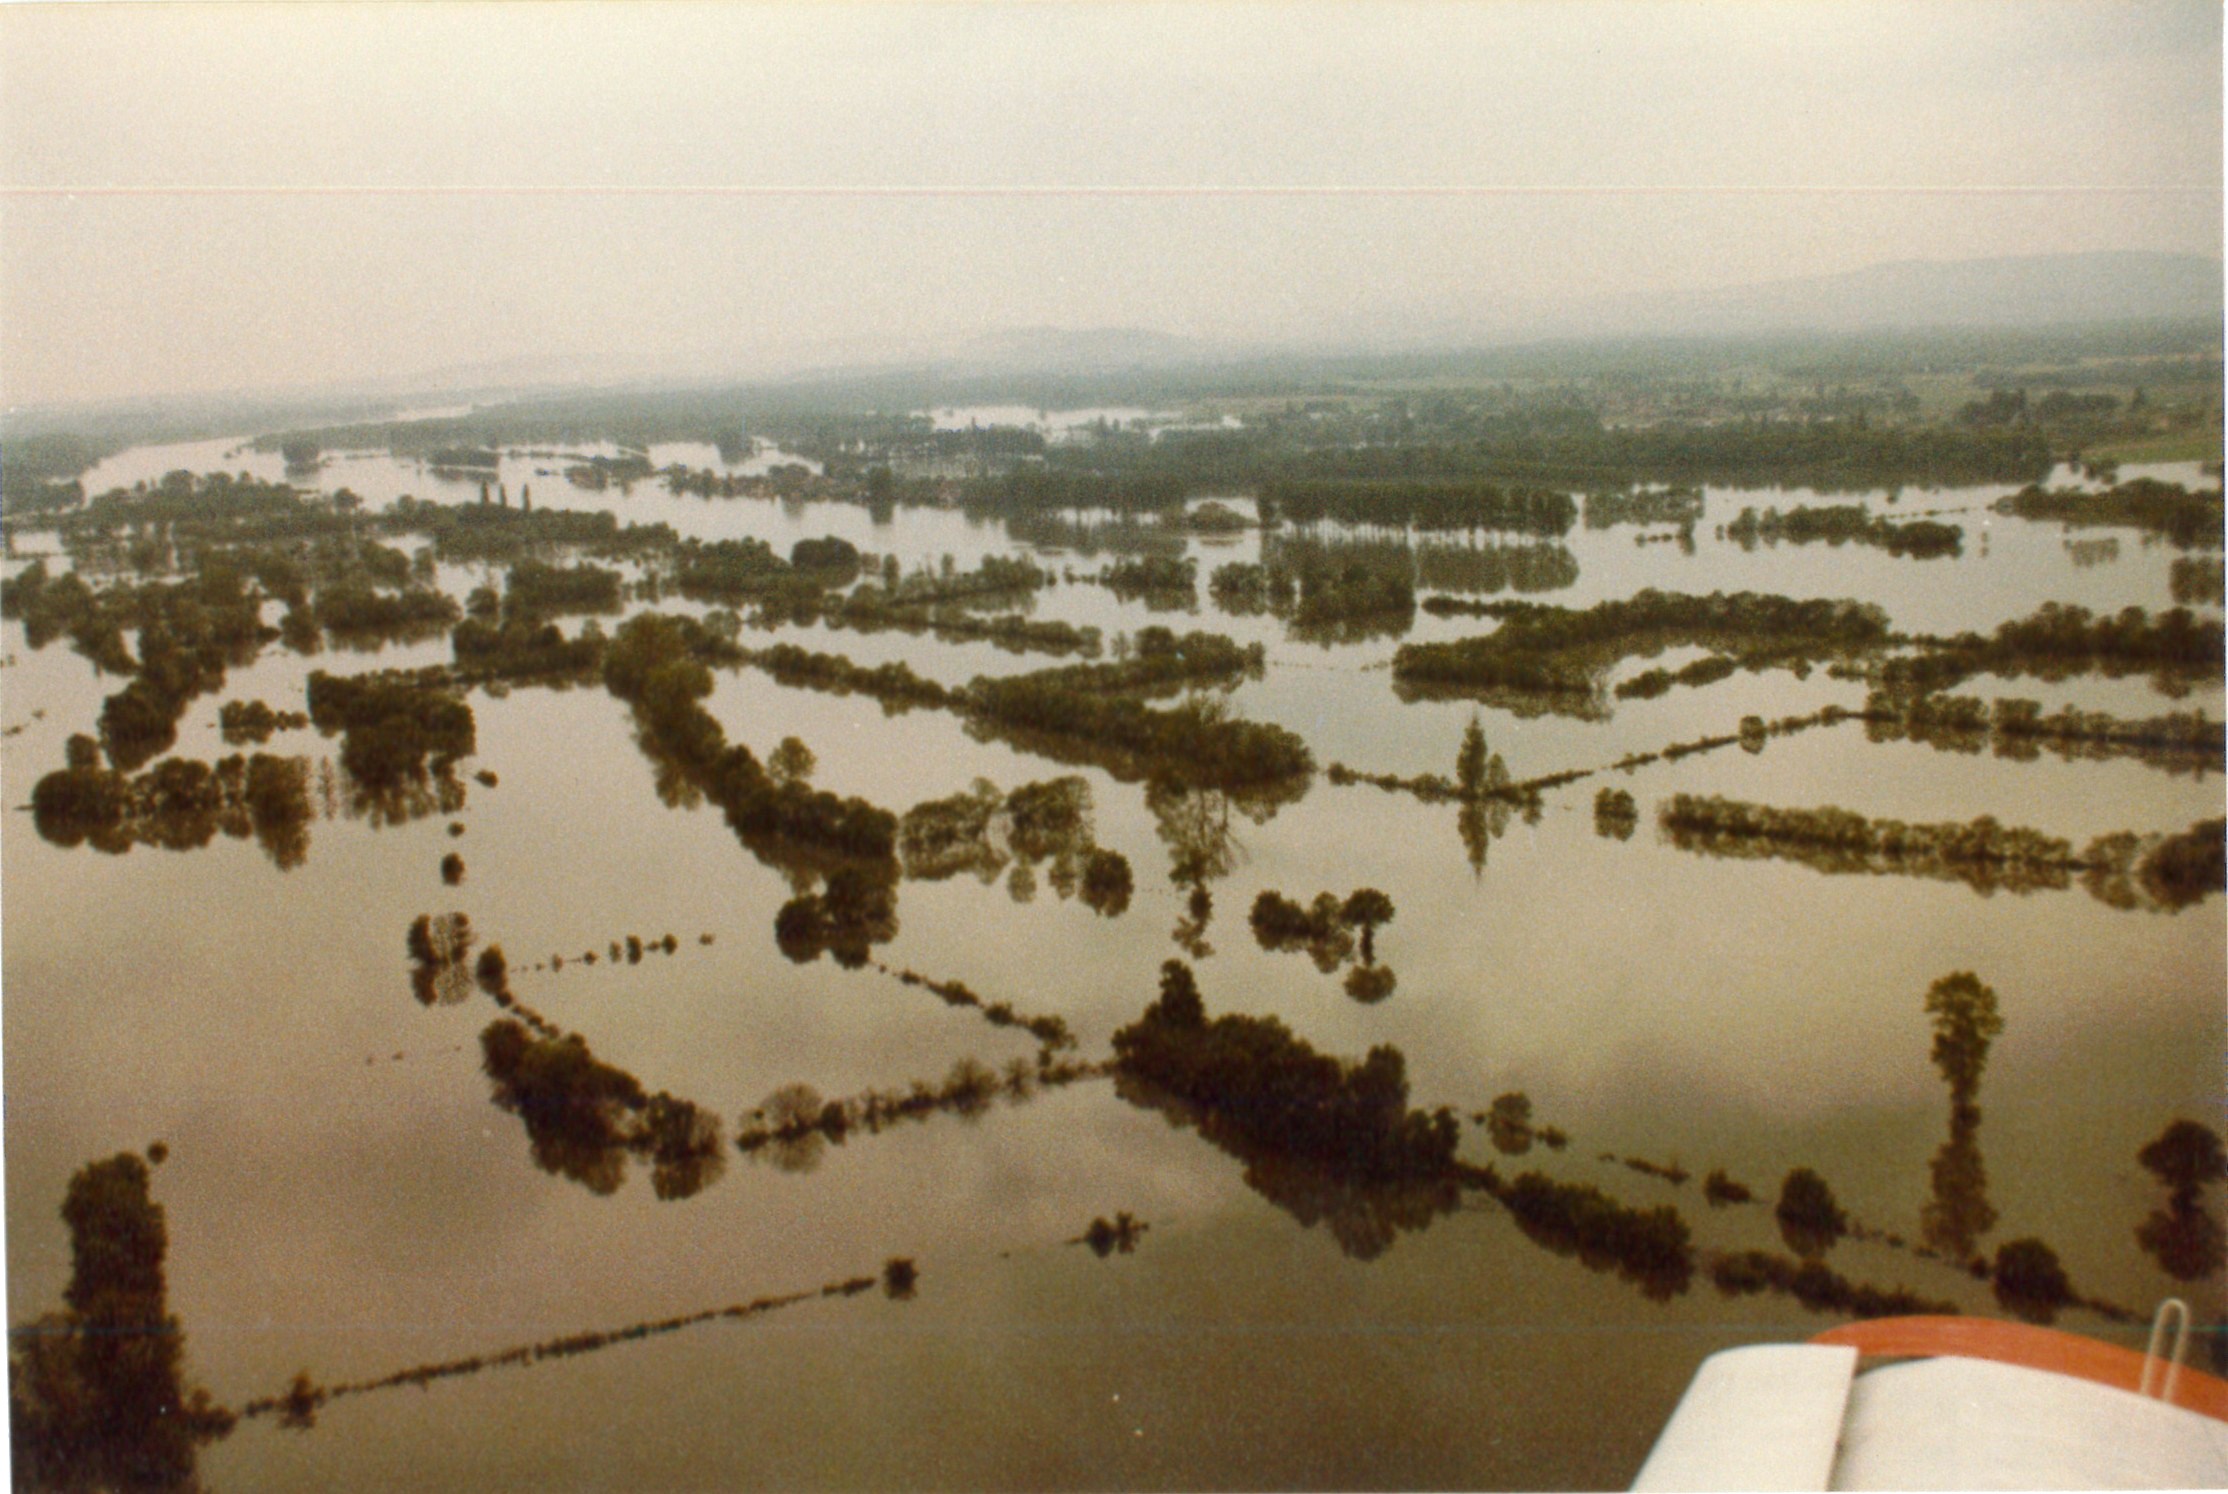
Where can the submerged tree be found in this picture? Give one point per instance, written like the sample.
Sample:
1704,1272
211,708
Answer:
1509,1123
1470,760
2029,1281
1966,1022
1809,1219
96,1396
1367,909
791,763
2184,1237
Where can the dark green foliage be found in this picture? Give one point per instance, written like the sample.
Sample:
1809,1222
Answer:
1107,883
96,1394
600,472
251,721
2179,741
535,588
2189,521
1560,443
1049,1030
2195,581
190,631
1547,655
657,664
1271,1088
1720,1189
1966,1022
833,560
521,648
473,531
730,570
1615,814
1346,603
1366,909
1088,710
2058,641
2184,1237
1676,506
1031,489
179,804
792,762
1817,1286
1470,761
359,611
1392,502
1839,524
1160,661
1983,854
392,724
2183,870
1509,1124
1280,924
585,1117
856,910
2029,1281
1809,1218
1649,1247
1118,1236
2185,1155
40,474
894,684
1164,579
1370,984
51,607
870,609
1484,569
1180,1007
795,1124
440,945
1653,682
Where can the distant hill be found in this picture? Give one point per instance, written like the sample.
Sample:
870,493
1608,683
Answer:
2029,290
1093,350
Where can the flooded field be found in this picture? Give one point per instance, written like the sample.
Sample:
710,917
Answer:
874,1163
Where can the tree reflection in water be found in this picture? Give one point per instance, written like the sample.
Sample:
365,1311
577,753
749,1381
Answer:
2184,1237
439,945
1364,1216
584,1118
298,1405
1966,1021
180,804
794,1127
983,832
97,1397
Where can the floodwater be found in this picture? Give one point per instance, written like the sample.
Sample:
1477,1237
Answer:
343,1198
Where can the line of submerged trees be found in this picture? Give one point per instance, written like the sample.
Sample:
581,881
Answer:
2164,872
2186,520
1338,1143
1553,658
2016,729
1841,524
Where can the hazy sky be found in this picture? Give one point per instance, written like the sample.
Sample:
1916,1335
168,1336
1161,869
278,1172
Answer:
268,195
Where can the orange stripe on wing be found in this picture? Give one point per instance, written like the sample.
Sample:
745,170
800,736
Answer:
2023,1344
